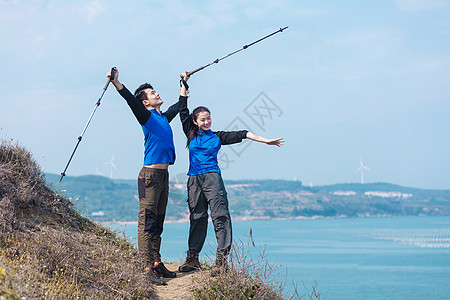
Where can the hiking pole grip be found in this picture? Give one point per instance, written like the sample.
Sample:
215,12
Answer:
113,73
195,71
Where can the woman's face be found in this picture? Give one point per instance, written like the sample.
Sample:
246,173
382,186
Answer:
203,121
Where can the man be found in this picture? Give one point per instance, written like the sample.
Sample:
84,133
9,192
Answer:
153,180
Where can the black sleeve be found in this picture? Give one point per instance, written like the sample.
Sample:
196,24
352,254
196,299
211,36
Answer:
231,137
185,118
171,112
138,109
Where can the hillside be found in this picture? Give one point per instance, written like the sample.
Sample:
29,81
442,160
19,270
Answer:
109,200
49,251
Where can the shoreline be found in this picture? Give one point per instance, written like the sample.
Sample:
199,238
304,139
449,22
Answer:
244,219
237,219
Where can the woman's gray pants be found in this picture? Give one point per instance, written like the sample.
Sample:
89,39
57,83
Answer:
203,190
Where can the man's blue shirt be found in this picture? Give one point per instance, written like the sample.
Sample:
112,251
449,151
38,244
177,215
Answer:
158,136
158,140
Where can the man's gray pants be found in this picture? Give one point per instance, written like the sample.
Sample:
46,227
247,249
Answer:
153,186
203,190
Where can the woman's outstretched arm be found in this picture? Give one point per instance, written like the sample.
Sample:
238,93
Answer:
254,137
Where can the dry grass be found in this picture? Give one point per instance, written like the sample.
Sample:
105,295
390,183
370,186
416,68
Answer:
250,276
26,200
49,251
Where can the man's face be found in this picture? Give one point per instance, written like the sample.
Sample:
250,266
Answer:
153,99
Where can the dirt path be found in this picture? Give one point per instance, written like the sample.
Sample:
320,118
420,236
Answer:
181,286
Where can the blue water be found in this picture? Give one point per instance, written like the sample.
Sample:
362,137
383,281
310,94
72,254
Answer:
372,258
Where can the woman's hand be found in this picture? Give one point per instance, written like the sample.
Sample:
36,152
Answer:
276,142
184,87
185,76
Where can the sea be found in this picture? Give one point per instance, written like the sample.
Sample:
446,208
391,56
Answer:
355,258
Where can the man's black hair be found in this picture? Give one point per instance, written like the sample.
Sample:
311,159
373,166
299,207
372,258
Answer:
140,94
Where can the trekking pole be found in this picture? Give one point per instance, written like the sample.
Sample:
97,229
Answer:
88,122
243,48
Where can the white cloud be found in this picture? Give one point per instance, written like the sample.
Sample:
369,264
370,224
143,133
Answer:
369,43
224,12
92,10
264,9
309,12
418,5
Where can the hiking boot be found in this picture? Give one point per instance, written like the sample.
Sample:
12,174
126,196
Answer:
191,263
221,264
154,277
217,270
163,271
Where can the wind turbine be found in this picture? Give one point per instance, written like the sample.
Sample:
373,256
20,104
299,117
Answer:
97,171
111,163
361,168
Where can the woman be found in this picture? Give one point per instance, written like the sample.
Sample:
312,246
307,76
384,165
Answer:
205,184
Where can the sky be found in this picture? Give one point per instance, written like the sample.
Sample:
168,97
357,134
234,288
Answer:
348,81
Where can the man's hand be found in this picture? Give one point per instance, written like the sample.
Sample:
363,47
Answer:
115,80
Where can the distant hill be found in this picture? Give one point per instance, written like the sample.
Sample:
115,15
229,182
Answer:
110,199
114,199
